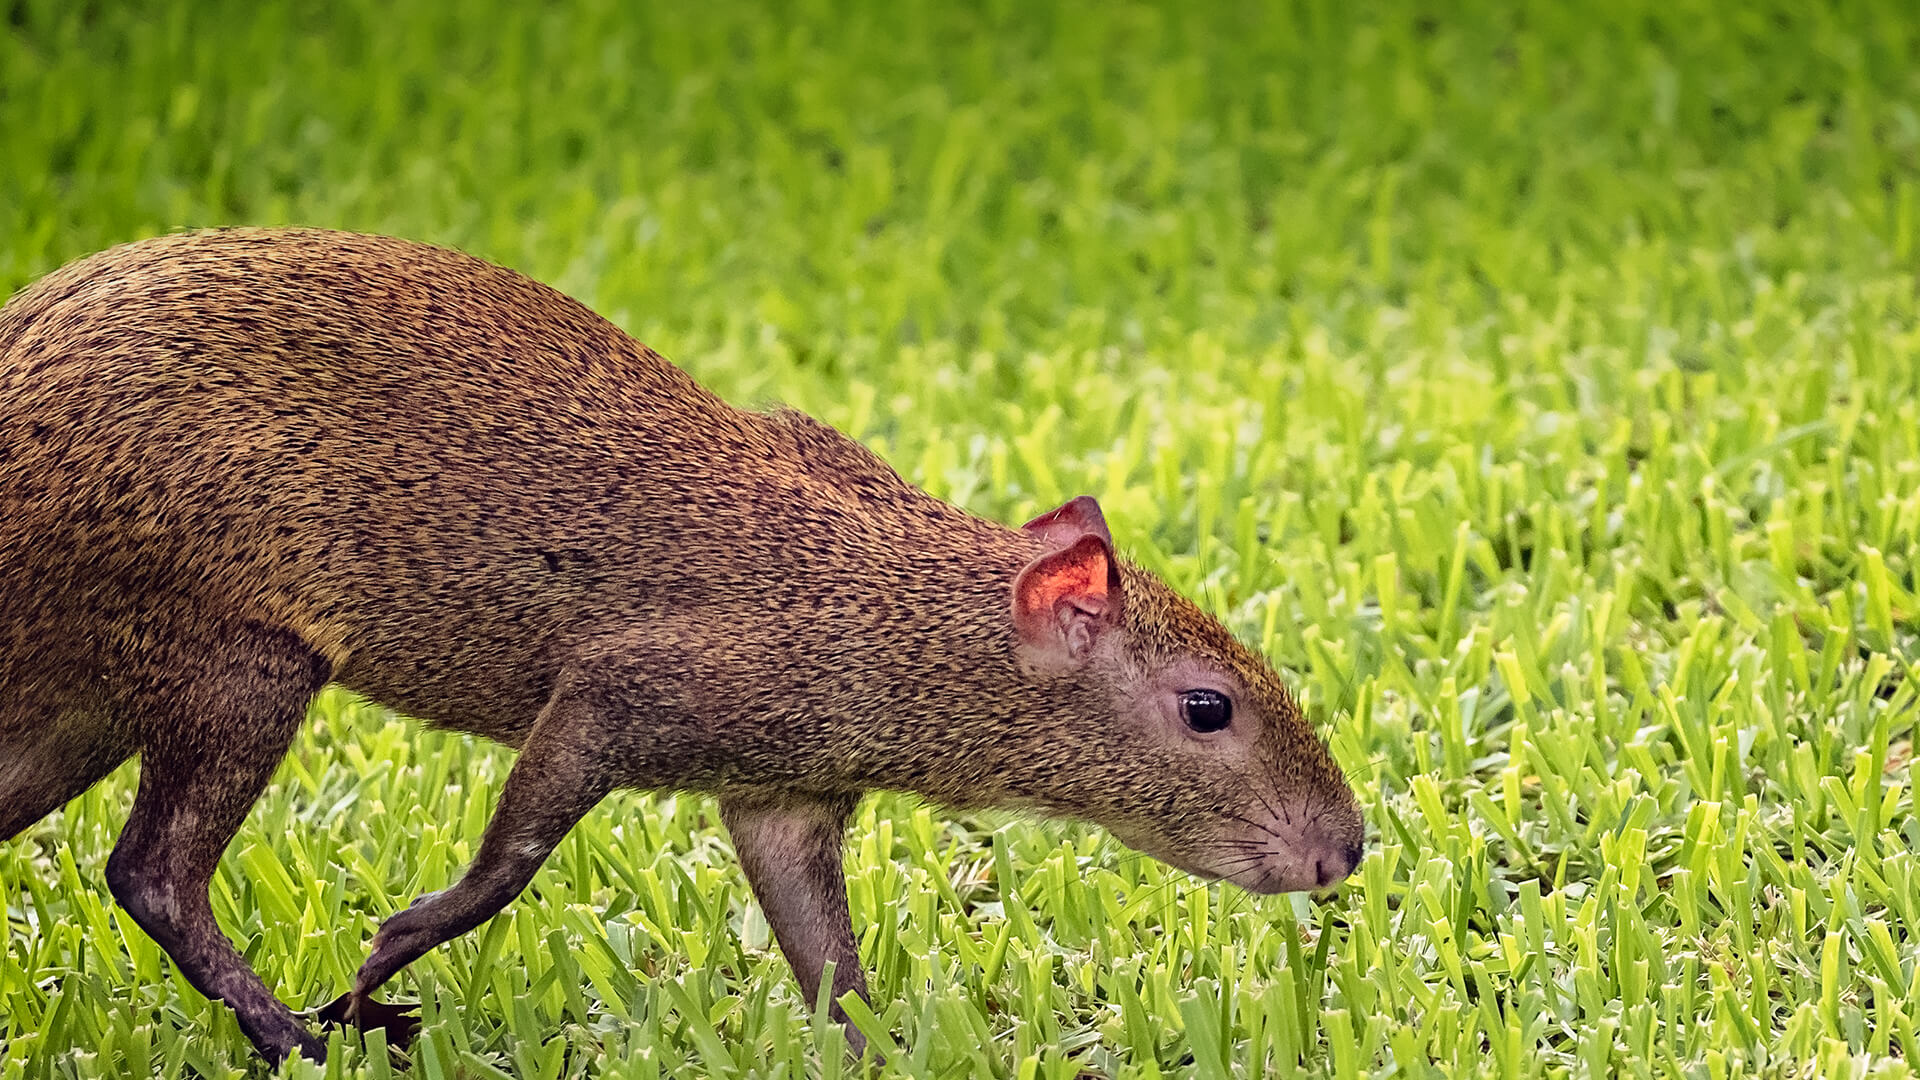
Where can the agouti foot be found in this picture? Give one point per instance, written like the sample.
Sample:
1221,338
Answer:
400,1020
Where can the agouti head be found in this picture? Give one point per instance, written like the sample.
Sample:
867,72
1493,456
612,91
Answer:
1194,751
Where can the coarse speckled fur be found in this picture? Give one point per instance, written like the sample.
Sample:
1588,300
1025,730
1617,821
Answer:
237,465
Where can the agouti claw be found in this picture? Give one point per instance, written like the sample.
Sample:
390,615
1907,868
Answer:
400,1020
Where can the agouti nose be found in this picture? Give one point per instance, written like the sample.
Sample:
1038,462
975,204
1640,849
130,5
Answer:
1334,867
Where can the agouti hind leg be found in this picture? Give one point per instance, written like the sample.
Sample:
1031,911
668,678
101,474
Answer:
214,721
49,754
562,772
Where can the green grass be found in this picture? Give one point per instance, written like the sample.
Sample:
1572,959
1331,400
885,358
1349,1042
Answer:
1540,390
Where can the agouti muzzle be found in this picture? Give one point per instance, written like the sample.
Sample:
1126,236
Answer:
238,465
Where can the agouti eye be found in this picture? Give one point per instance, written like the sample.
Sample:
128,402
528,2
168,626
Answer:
1206,710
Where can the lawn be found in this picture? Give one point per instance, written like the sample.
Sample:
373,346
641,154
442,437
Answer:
1539,389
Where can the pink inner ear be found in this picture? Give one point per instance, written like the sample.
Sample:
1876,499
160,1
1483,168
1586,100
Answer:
1078,576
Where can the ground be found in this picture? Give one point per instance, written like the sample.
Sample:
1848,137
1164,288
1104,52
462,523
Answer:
1538,387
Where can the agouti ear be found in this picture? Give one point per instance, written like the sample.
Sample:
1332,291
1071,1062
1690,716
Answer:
1064,600
1079,517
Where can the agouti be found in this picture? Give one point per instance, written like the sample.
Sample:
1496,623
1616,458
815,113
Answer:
237,465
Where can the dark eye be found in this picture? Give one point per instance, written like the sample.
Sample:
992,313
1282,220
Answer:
1206,710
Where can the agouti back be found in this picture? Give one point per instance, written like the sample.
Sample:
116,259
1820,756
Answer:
238,465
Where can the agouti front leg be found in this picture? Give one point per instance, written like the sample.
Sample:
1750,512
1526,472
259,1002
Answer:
562,773
790,848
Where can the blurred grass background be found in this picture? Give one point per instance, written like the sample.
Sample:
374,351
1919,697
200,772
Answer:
1539,385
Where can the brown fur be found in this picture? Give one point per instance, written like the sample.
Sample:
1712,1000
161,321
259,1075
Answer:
236,465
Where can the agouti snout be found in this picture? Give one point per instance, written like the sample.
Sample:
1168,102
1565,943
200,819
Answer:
238,465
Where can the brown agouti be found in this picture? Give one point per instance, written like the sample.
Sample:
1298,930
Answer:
238,465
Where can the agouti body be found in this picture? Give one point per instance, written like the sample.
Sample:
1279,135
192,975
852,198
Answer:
238,465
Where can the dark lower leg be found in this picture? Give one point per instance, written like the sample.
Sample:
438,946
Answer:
176,914
214,733
790,847
557,779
